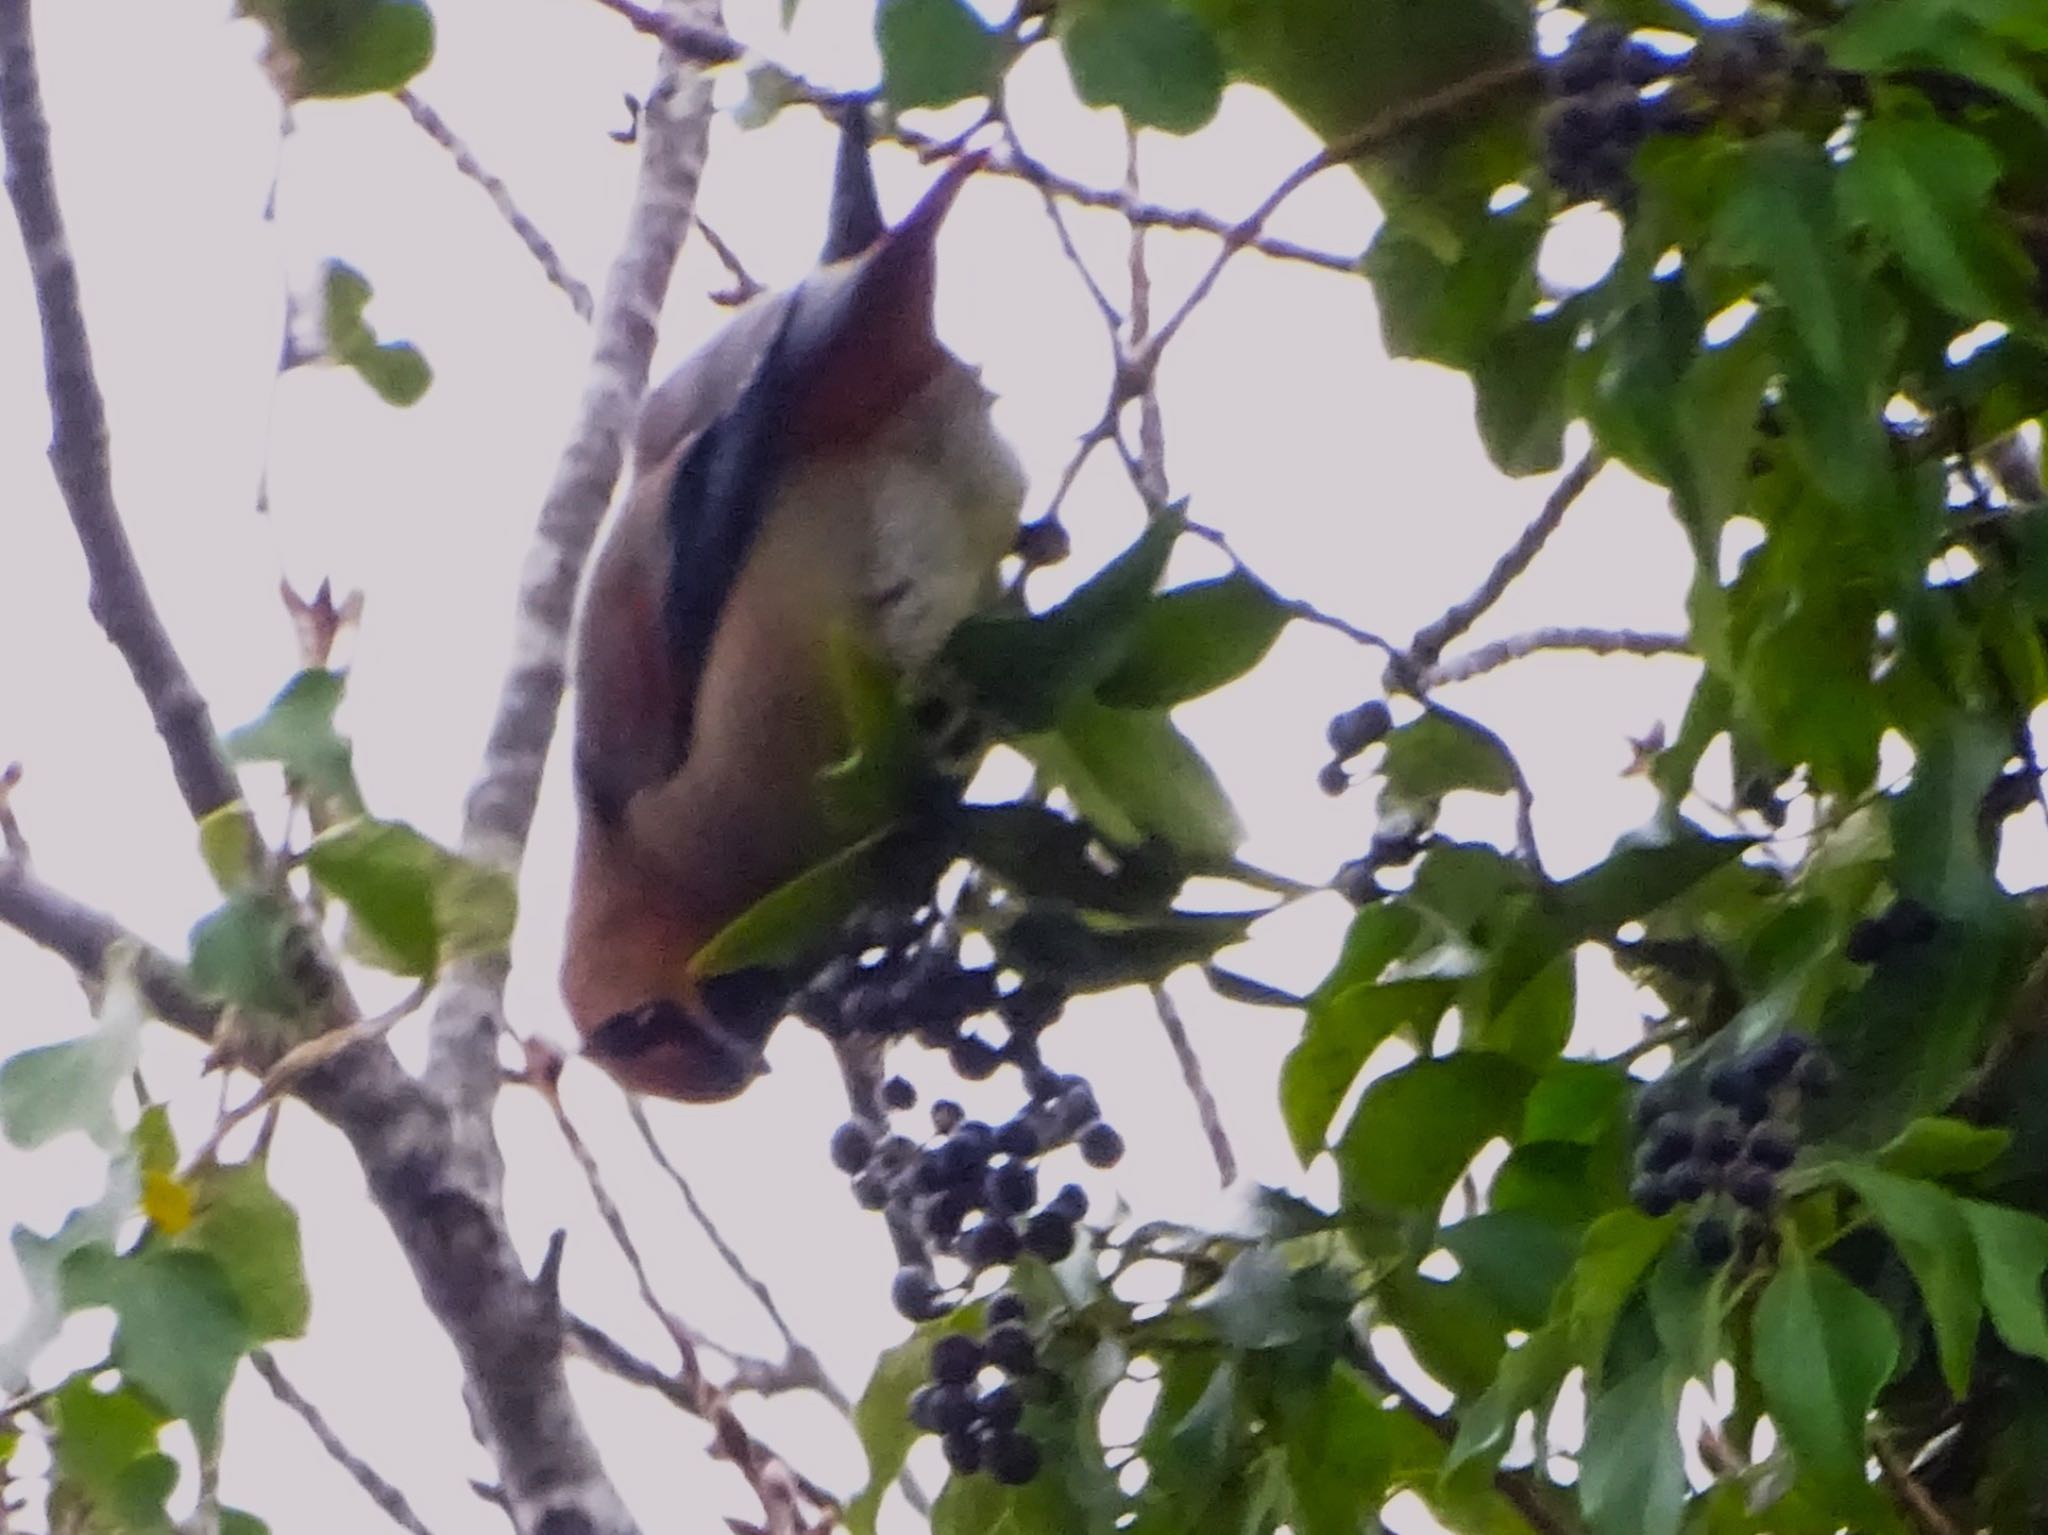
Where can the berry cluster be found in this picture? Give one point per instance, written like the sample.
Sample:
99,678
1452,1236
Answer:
1728,1153
978,1423
1349,734
1610,92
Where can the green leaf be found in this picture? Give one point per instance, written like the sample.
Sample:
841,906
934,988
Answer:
882,1415
870,786
1937,1147
1780,219
2012,1252
1152,59
242,1224
937,52
1027,669
1135,776
394,369
1094,951
1527,1378
229,845
788,923
1618,1249
1442,752
1575,1101
415,906
341,48
179,1331
107,1459
1041,853
1263,1301
1939,859
1194,639
1822,1350
1417,1128
1517,1258
1519,380
1342,1452
297,732
1925,188
50,1089
1632,1472
1341,1031
242,954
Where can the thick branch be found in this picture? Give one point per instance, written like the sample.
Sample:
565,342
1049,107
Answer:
78,444
500,808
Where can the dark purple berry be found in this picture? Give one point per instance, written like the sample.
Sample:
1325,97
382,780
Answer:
1669,1142
955,1359
1713,1243
1717,1139
1049,1235
1754,1188
1011,1350
1032,1006
871,1191
1772,1147
1868,941
1355,729
1651,1195
1332,779
1101,1146
975,1058
851,1145
1077,1102
1654,1101
1002,1407
943,1409
943,1216
1070,1203
963,1451
1686,1182
1006,1306
1012,1459
1731,1083
1011,1189
915,1294
946,1116
933,1172
899,1093
924,1407
1815,1076
1776,1059
1018,1138
990,1243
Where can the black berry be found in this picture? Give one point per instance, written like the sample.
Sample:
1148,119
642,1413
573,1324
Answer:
1772,1147
1713,1243
963,1451
1773,1061
990,1243
915,1294
975,1058
1018,1138
943,1409
1717,1139
1011,1189
1070,1203
1816,1076
1332,779
1006,1306
1002,1407
946,1116
1355,729
851,1145
1011,1350
871,1191
1101,1145
1049,1235
1686,1182
1651,1195
899,1093
1669,1142
955,1359
1012,1459
1754,1188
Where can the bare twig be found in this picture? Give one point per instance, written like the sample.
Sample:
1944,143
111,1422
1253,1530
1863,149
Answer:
1152,480
744,284
801,1366
764,1471
1306,612
537,244
120,599
1600,642
389,1500
1926,1513
1407,671
1197,1086
1058,220
12,842
499,811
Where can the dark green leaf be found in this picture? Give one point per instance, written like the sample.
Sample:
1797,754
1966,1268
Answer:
1632,1473
1152,59
1039,852
1823,1348
1442,752
1341,1032
1527,1378
1098,952
242,954
1574,1101
936,52
1417,1128
1516,1257
1135,776
1194,639
1029,668
1519,382
1618,1249
415,906
2012,1252
1780,219
1940,860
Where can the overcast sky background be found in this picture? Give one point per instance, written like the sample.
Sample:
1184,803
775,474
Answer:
1343,478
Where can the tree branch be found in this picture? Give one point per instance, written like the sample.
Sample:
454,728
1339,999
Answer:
537,244
499,811
120,599
1197,1086
1600,642
389,1500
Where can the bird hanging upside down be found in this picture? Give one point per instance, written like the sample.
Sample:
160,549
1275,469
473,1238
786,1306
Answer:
822,464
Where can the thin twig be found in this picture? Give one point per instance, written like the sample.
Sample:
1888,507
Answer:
120,598
744,284
1600,642
1197,1085
12,842
1423,651
1927,1513
537,244
801,1366
772,1481
1152,480
1058,220
1305,612
389,1500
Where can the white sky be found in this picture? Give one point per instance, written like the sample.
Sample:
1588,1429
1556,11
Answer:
1345,479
